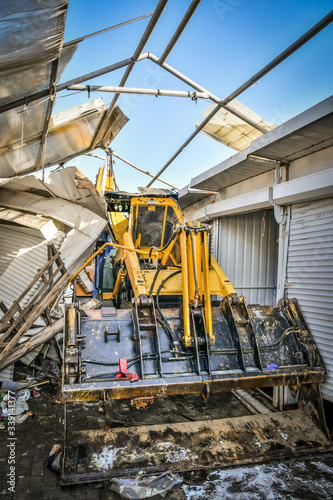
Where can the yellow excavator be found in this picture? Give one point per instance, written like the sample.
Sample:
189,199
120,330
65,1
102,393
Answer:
159,336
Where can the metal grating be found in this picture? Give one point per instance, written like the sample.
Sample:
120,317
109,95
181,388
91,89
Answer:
247,254
310,274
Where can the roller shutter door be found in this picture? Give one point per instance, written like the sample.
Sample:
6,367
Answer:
310,274
248,254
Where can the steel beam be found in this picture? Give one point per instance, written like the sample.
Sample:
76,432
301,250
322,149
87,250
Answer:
120,25
198,87
136,90
132,165
325,21
63,86
186,143
266,69
137,53
141,170
182,25
50,105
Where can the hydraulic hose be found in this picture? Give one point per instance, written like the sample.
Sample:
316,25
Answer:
156,275
175,233
167,326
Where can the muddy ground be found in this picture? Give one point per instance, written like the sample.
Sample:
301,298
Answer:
307,477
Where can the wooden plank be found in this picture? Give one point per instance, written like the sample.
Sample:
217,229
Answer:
31,304
4,309
41,337
47,316
5,319
54,250
50,253
35,313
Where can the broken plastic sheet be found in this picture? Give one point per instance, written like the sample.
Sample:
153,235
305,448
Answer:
20,403
147,487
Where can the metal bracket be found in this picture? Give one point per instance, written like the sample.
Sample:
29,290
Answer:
106,333
205,395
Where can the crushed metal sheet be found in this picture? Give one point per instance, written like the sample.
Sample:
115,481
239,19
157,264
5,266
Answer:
31,46
227,128
71,133
68,183
31,33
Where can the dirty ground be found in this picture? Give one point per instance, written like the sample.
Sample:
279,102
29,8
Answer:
303,478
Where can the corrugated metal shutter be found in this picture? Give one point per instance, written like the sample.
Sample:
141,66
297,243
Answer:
310,274
23,252
248,254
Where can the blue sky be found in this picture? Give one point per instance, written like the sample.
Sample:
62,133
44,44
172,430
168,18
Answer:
225,43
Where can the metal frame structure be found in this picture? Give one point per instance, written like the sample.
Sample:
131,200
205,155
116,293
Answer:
138,55
133,166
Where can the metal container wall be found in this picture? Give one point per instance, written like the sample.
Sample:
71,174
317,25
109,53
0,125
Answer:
310,274
248,254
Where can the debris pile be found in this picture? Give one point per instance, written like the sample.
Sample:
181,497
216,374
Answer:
41,352
32,303
14,397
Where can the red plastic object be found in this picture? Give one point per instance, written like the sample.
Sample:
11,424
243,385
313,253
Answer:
122,370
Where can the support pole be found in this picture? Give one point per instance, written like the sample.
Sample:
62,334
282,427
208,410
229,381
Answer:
143,171
63,86
120,25
151,25
136,90
211,96
182,25
194,134
50,104
134,166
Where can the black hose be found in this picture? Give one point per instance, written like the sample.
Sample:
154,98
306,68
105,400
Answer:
167,326
130,362
157,273
277,344
175,233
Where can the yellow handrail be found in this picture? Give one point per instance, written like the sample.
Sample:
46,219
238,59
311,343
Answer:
116,245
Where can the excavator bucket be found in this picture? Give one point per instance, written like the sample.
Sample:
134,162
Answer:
181,363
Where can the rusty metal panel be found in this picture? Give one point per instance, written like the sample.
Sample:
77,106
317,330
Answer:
92,455
248,254
310,274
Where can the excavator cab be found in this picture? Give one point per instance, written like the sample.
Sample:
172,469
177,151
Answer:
159,336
